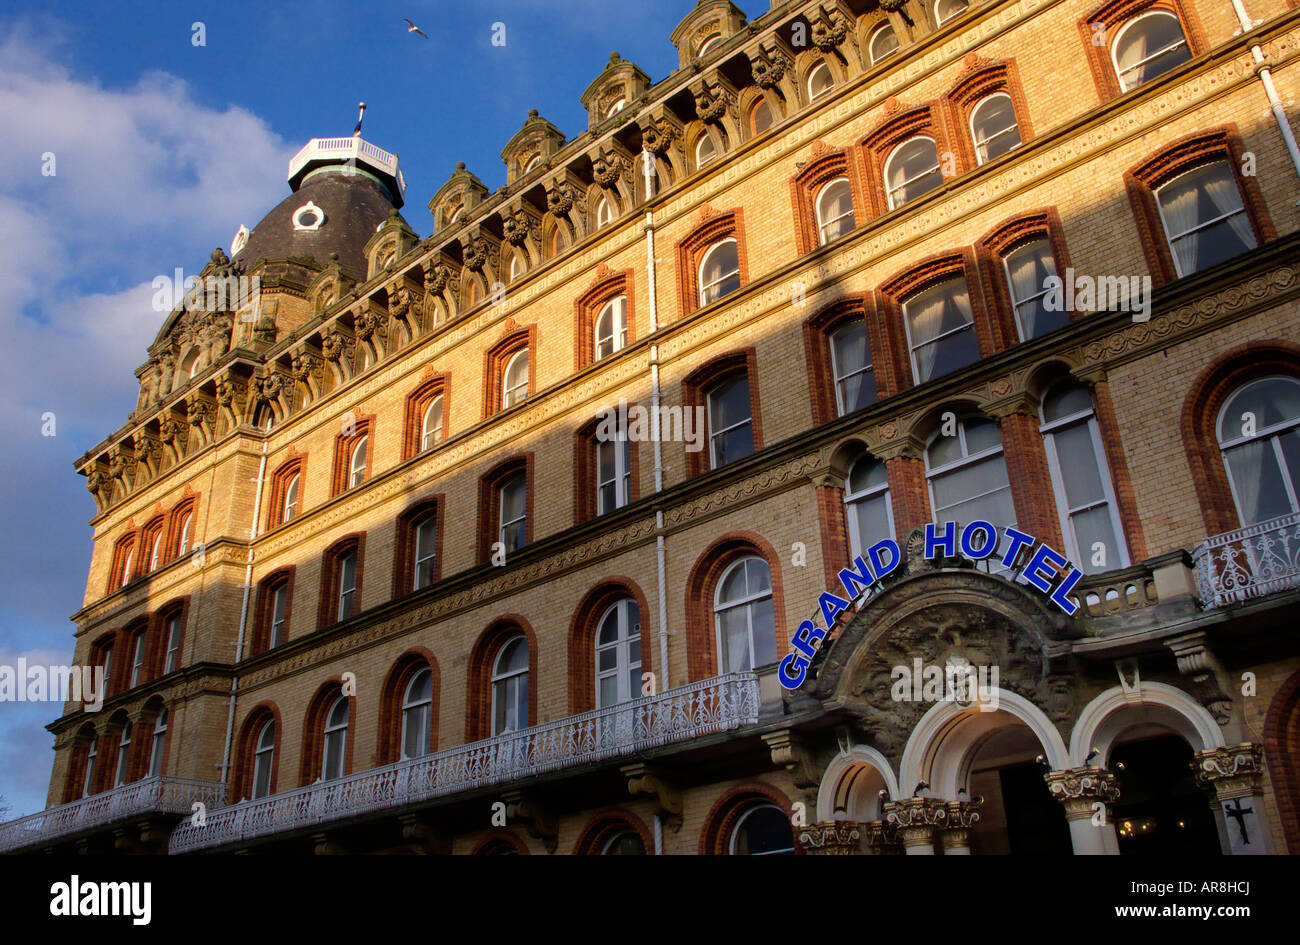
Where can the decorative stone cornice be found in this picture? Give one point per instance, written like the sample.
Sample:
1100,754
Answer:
916,819
1081,789
830,837
1233,771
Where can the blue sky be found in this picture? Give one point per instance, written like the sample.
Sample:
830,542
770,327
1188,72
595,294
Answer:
162,150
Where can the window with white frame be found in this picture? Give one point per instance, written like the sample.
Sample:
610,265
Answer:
743,616
834,210
127,567
510,687
92,752
516,266
945,10
279,613
108,666
731,421
993,127
719,271
763,830
263,757
611,327
1085,495
820,81
911,170
1204,218
431,424
347,565
512,523
616,107
426,542
866,504
1148,46
1259,435
855,379
514,379
709,44
940,329
706,149
618,654
123,772
967,476
291,498
186,525
760,119
173,658
137,660
357,465
157,743
884,42
155,553
613,472
604,212
1028,267
417,714
624,843
335,748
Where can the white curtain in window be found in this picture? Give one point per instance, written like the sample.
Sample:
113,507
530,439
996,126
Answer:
1023,270
1179,207
925,314
1246,463
1223,193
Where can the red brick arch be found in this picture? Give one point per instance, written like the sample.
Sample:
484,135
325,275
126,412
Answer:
604,825
715,837
390,706
701,652
241,785
1206,396
478,690
498,841
1282,755
582,637
313,735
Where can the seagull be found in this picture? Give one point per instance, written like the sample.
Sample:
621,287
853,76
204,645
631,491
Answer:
412,28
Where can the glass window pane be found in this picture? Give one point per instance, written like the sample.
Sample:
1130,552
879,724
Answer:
1270,401
732,445
1092,526
764,625
1257,482
1079,465
872,516
608,694
729,403
993,124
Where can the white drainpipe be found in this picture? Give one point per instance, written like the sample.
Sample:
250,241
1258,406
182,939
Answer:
1266,76
661,549
243,615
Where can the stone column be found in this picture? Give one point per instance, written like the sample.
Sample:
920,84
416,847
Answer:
1235,773
831,837
962,816
916,819
1087,793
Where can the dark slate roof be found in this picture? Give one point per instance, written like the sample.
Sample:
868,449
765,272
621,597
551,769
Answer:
354,208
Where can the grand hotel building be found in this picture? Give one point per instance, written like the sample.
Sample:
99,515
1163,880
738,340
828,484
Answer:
365,579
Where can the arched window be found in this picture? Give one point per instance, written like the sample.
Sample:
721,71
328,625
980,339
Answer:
187,524
290,499
92,753
1148,46
417,714
157,743
834,210
1204,218
705,150
155,551
336,740
940,329
763,830
1085,497
743,616
263,757
624,843
510,687
138,647
174,630
431,424
855,383
884,42
533,162
357,464
123,772
611,327
347,572
912,170
760,117
1260,441
709,44
945,10
512,523
127,567
993,127
866,502
967,475
1028,267
514,382
719,271
516,266
426,548
279,613
618,654
617,107
731,420
604,212
107,663
820,81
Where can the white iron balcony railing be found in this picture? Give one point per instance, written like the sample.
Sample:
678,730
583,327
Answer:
345,149
157,795
1249,562
703,708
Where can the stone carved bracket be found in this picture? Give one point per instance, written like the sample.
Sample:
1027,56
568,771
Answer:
832,29
336,346
641,779
201,413
232,397
307,369
790,752
1206,674
539,822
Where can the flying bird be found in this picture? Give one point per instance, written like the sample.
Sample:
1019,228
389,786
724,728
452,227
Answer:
412,28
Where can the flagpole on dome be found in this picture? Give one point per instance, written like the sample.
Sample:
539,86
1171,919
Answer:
361,114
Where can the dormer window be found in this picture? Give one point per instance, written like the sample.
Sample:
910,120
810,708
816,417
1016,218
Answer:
308,217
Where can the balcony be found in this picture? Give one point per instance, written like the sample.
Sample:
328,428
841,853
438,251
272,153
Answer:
1249,562
157,795
355,151
713,705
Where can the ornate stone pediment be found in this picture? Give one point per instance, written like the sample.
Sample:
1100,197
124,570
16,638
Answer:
532,146
620,81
